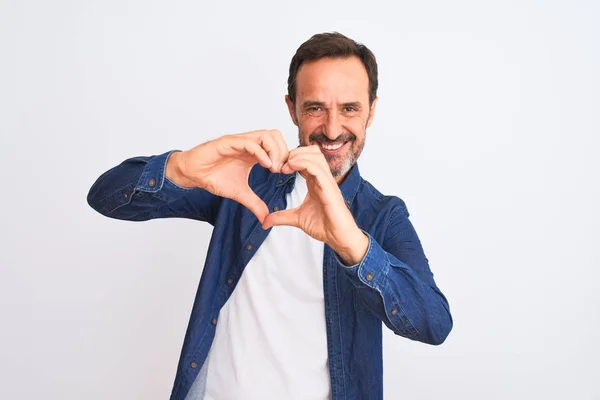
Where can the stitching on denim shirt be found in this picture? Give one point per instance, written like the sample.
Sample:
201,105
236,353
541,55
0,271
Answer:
409,329
408,320
205,333
410,324
377,194
114,195
337,304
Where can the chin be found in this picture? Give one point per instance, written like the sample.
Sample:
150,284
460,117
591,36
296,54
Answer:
341,168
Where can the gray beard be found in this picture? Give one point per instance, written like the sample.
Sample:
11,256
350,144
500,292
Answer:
345,167
347,163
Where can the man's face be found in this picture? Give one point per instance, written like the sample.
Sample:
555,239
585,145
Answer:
332,109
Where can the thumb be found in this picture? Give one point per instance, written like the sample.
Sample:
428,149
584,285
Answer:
284,217
252,202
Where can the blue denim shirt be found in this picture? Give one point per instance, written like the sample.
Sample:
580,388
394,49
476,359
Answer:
392,284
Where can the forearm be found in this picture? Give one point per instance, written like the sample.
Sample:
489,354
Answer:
174,172
141,188
354,249
394,292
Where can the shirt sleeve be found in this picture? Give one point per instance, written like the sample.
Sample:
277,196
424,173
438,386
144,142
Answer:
395,283
138,190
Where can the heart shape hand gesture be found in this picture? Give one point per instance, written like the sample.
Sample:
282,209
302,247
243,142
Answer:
223,167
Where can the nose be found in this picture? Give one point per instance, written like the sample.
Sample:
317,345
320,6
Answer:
333,127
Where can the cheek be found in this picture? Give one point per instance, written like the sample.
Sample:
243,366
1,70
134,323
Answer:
358,144
357,128
308,126
356,123
312,121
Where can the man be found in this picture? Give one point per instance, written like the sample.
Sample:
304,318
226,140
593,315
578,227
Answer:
306,258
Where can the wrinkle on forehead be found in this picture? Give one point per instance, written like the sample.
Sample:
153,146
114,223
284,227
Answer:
333,81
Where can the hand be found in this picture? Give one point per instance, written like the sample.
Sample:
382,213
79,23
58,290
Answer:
323,214
222,166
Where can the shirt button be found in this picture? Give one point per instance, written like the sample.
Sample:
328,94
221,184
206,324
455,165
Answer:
348,202
152,182
280,181
394,311
213,321
249,247
193,364
125,195
230,281
275,208
369,276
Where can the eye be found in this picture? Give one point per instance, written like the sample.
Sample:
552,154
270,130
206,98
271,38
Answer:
350,109
315,111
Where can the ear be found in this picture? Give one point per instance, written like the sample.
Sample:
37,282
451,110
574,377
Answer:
372,112
291,109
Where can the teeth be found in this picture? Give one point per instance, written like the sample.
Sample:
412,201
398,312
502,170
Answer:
332,146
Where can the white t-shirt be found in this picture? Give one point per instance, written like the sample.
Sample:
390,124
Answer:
270,340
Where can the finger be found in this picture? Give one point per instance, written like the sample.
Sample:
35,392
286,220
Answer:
308,172
303,152
278,218
313,164
268,143
319,180
255,150
284,151
286,169
252,202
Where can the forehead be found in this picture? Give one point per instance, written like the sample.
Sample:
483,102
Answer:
343,79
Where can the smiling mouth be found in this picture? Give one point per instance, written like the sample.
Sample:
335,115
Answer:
332,148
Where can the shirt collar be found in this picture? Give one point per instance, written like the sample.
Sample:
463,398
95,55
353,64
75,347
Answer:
349,186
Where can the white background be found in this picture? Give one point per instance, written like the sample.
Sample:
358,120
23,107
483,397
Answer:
487,126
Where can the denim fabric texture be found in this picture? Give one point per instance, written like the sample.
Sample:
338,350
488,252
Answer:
393,283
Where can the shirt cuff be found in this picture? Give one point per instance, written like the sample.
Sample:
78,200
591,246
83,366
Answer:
373,268
153,176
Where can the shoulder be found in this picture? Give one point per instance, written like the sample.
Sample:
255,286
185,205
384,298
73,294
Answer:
378,213
389,204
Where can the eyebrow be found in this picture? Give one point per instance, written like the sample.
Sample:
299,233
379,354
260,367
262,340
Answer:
355,104
312,103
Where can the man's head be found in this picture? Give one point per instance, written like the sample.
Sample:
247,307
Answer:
332,92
